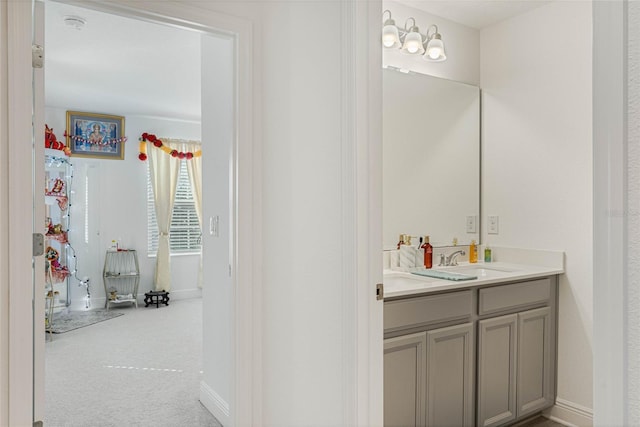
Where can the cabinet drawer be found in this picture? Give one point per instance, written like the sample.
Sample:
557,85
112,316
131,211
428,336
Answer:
517,295
412,312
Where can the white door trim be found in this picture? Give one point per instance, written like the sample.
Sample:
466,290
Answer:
361,133
18,184
609,212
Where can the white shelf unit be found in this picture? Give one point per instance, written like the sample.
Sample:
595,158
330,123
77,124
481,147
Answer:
121,276
58,175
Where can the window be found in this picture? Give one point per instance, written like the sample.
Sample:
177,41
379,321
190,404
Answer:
184,233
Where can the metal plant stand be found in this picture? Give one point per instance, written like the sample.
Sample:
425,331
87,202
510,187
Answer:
121,276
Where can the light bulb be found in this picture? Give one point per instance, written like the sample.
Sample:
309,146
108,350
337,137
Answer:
435,52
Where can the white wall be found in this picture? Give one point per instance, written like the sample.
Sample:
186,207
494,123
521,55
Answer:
302,327
117,209
537,170
217,287
462,45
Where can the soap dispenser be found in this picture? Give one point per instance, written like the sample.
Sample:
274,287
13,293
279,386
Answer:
487,254
473,252
428,252
407,254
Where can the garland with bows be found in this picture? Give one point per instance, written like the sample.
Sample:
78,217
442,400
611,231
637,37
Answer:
112,141
158,144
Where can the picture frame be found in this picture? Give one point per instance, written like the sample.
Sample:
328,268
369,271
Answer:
94,135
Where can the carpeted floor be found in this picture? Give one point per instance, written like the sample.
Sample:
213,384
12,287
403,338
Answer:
140,369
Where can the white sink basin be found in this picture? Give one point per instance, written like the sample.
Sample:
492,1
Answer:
405,281
480,270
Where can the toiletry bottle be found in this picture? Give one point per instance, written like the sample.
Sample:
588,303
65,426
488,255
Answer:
401,241
487,254
428,252
473,252
407,254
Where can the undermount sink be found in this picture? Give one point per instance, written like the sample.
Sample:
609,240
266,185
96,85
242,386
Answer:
464,272
445,274
480,270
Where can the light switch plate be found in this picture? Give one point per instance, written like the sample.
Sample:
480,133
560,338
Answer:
471,224
492,224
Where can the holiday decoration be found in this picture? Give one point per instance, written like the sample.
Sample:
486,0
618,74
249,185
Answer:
50,141
58,272
103,142
57,188
158,144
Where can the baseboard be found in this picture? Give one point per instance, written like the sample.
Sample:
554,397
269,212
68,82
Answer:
570,414
183,294
214,403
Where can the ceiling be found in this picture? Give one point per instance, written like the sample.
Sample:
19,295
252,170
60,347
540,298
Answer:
476,14
116,65
120,66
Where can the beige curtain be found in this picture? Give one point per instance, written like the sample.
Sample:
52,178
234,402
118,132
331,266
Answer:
194,167
164,179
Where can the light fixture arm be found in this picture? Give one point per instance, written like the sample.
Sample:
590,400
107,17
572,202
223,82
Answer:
411,27
430,35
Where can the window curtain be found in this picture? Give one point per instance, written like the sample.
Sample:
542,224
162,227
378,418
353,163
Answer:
194,168
164,180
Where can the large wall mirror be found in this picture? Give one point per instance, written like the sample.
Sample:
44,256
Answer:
431,159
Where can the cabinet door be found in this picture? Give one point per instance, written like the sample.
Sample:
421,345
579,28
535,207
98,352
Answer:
535,382
405,380
450,376
497,351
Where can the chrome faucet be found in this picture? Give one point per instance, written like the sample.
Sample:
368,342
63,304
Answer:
452,259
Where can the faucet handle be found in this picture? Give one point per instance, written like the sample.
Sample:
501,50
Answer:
441,264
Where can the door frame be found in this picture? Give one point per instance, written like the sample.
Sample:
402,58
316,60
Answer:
16,322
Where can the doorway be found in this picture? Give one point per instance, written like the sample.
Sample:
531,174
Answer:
224,131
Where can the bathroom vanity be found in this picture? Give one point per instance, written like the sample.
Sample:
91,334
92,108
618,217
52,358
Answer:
470,353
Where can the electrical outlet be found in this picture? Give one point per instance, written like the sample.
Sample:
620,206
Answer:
471,223
492,224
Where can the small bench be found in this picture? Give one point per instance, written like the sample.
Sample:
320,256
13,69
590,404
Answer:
156,297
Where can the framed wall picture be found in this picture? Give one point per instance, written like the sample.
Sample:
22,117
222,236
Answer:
95,135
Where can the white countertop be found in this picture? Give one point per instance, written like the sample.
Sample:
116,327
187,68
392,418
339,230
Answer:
543,263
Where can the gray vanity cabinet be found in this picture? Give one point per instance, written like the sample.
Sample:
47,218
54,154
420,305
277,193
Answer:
429,367
514,366
405,380
450,376
483,356
535,381
515,353
497,354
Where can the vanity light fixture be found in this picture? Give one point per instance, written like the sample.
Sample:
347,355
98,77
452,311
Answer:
411,41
